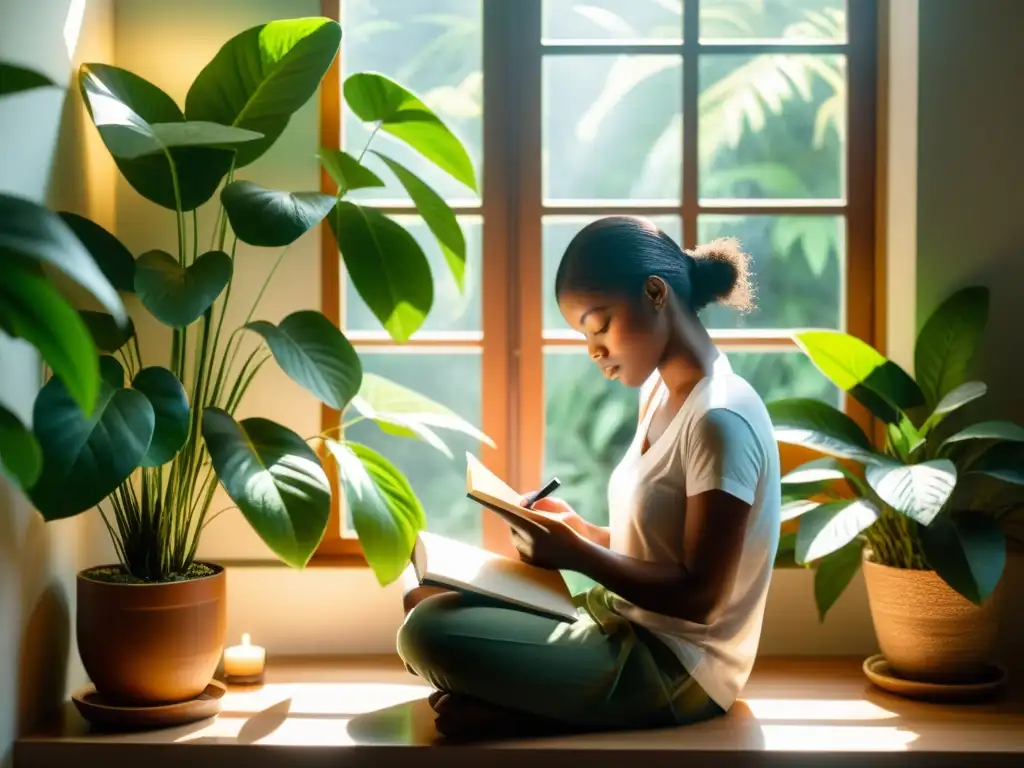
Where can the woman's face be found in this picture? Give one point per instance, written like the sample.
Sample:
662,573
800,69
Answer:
626,337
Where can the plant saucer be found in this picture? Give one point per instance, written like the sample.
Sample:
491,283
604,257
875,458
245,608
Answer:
878,672
105,715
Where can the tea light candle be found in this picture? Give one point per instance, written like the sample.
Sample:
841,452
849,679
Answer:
244,663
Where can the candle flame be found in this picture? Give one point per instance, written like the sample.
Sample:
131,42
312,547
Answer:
245,638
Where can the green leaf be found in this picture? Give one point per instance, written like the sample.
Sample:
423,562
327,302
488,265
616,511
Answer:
820,426
957,398
178,297
834,574
832,526
130,141
785,555
348,173
988,430
856,367
20,455
387,267
112,371
437,215
919,491
968,551
275,479
15,79
402,411
269,218
31,231
33,310
383,507
315,354
170,407
1003,461
104,330
86,458
125,108
114,260
946,344
816,471
375,98
262,76
795,508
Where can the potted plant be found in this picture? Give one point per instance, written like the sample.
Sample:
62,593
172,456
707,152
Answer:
163,434
924,514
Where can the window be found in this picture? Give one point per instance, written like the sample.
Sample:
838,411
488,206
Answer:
750,118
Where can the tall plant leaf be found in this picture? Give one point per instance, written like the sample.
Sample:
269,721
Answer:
375,98
178,297
15,79
275,479
820,426
815,471
104,330
968,551
85,458
262,76
383,507
269,218
834,574
919,491
348,173
315,354
832,526
121,104
387,267
20,455
112,371
170,408
33,310
437,215
1004,461
946,344
112,257
988,430
32,232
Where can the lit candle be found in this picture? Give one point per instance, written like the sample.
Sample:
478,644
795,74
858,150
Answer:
244,663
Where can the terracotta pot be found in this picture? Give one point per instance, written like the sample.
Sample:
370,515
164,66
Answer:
146,644
926,630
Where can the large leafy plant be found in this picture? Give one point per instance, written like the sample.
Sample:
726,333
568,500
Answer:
936,495
151,453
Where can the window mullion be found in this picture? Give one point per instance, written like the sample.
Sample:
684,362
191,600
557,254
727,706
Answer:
691,111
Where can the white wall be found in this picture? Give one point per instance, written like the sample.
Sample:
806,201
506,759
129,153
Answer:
46,154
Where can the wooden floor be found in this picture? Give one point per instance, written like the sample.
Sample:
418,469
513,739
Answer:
370,712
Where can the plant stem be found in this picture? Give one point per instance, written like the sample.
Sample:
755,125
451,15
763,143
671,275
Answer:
216,337
266,282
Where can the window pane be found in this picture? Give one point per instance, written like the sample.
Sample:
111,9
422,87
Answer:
612,127
433,48
772,126
452,310
789,21
650,20
452,380
558,231
798,266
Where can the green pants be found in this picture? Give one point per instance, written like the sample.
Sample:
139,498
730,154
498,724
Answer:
600,672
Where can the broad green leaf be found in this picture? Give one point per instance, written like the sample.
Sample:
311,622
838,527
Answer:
112,371
170,407
178,297
15,79
856,367
968,551
114,260
134,139
816,471
34,233
121,104
820,426
375,98
946,344
785,555
20,455
919,491
262,76
956,398
437,215
834,574
86,458
383,507
387,267
904,438
269,218
275,479
832,526
348,173
315,354
33,310
1004,461
105,332
791,510
989,430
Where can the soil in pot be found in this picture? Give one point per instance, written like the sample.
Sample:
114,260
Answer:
926,630
146,644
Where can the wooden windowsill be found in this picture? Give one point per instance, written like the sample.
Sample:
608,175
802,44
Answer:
370,711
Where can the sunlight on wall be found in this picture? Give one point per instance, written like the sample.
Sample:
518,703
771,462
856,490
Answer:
73,26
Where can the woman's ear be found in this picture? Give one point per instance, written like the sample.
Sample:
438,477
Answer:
656,291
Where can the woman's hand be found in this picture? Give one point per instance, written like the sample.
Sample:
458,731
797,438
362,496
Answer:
558,509
552,544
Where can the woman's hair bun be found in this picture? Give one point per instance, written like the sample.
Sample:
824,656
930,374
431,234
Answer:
720,273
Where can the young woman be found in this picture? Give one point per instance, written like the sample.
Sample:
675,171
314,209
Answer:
670,634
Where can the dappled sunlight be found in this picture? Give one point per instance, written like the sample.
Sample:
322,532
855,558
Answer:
73,26
836,738
810,710
322,699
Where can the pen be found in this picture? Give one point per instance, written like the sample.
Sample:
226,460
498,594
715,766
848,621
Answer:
547,490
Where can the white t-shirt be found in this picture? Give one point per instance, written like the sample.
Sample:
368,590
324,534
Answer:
721,438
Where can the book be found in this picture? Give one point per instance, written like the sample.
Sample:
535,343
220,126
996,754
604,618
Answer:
488,490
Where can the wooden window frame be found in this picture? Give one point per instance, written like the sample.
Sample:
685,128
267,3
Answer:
513,340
